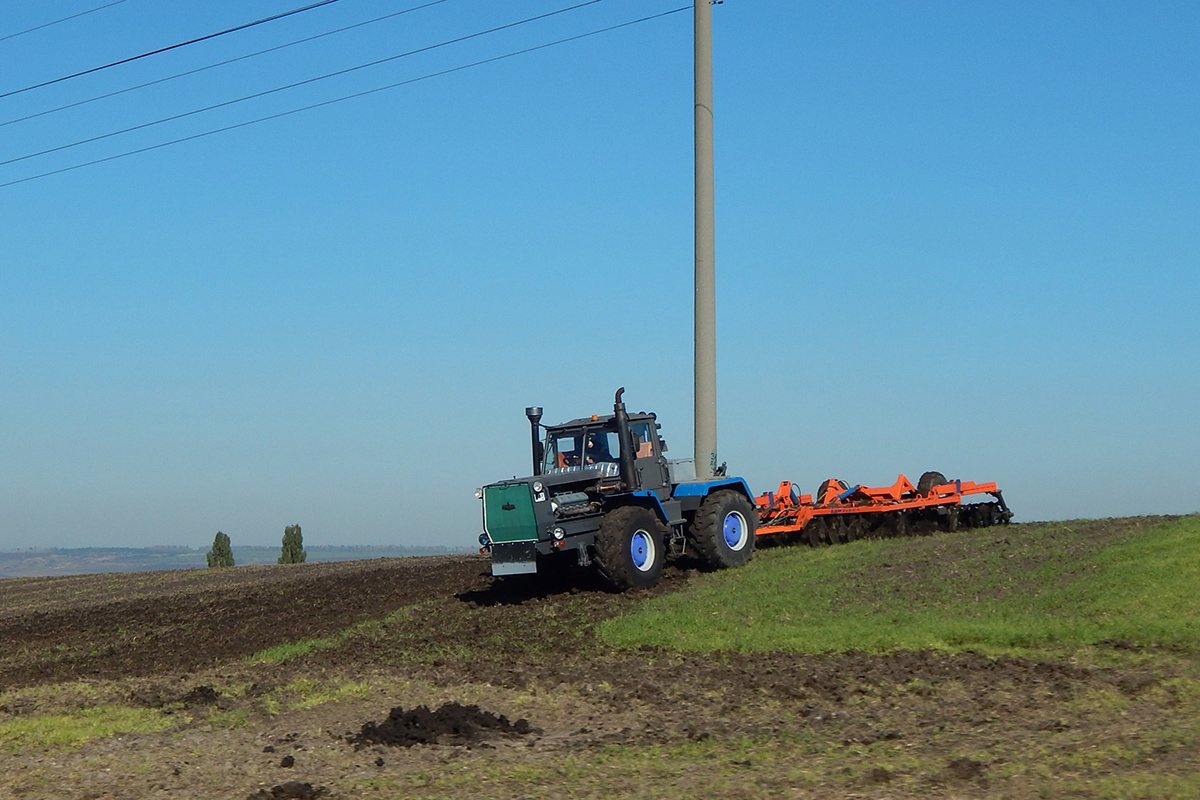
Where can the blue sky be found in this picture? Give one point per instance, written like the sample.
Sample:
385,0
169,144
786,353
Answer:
951,236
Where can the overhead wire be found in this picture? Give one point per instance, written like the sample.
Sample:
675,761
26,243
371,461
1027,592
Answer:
175,46
296,84
226,62
63,19
344,98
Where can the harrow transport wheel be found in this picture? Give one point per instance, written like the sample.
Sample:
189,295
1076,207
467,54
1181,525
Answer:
629,548
723,529
834,482
928,480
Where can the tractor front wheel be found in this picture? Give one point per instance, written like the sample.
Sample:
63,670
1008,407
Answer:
630,548
723,529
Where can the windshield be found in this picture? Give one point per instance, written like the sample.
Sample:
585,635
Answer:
594,448
586,448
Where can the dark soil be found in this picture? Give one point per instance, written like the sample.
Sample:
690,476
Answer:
183,623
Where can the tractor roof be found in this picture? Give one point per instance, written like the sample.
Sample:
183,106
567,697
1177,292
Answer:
598,421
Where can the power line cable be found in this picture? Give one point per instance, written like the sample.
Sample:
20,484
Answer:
364,93
57,21
220,63
176,46
294,85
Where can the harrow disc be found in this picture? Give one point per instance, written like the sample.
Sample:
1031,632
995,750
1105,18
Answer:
950,521
854,527
818,532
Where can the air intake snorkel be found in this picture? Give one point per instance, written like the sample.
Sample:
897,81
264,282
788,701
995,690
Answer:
628,470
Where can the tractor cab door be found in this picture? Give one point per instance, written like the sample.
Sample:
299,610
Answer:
648,460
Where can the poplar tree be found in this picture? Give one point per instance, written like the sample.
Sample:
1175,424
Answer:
293,546
221,554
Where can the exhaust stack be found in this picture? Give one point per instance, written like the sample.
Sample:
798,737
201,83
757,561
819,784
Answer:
628,470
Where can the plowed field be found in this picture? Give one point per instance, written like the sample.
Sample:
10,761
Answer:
420,678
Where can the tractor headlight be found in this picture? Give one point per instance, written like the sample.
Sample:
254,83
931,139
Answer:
559,534
484,540
538,487
479,494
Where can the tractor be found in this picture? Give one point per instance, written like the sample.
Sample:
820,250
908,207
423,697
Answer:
604,495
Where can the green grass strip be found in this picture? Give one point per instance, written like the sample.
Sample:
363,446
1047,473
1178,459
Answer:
303,647
71,730
997,589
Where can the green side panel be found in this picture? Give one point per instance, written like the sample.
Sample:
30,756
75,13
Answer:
508,513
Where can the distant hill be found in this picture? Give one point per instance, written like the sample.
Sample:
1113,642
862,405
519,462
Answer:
38,562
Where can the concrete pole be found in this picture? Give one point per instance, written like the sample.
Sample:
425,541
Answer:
706,304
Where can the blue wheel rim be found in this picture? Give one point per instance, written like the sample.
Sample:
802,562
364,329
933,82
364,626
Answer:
641,549
734,530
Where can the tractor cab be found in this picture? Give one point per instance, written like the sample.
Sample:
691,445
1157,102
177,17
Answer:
594,444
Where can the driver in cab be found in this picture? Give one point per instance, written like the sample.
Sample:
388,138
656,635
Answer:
596,449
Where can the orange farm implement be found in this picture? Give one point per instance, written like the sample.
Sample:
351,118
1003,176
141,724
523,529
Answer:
842,513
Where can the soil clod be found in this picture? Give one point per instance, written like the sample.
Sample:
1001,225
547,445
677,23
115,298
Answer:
879,775
451,723
201,696
292,790
965,769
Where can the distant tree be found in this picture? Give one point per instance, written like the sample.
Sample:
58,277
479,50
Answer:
293,546
221,554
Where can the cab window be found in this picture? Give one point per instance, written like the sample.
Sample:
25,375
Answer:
643,446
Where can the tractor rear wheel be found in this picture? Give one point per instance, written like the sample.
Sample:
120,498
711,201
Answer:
723,529
630,548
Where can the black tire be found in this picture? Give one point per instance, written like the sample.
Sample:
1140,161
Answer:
929,480
826,484
723,529
630,548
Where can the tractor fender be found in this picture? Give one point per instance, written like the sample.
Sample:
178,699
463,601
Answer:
703,488
644,499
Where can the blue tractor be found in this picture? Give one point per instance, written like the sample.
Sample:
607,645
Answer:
604,495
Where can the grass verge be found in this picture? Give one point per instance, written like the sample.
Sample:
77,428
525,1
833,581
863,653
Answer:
1039,586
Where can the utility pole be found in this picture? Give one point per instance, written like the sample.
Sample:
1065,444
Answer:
706,303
